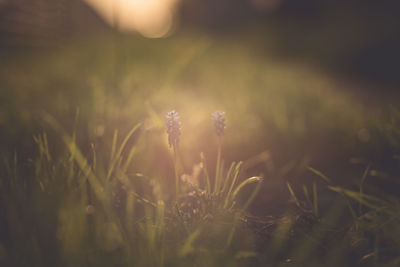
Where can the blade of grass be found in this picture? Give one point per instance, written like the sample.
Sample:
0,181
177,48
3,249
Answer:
188,246
293,195
364,198
98,188
253,194
79,158
244,183
320,174
121,148
128,160
363,178
218,166
228,177
205,172
114,145
235,177
232,232
315,199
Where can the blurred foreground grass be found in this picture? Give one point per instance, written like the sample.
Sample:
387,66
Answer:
74,193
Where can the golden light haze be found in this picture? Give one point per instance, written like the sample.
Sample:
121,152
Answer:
151,18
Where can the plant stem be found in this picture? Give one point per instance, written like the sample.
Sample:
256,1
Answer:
206,176
218,167
176,173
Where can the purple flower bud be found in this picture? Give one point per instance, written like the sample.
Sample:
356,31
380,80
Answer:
173,125
219,122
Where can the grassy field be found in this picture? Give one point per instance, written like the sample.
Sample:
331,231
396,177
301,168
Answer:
307,174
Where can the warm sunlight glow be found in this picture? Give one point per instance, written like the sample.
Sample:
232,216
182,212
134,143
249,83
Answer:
151,18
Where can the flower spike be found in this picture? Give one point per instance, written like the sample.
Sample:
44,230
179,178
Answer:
219,122
173,125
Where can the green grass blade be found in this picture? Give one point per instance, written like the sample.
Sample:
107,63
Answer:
114,146
235,177
129,159
188,246
78,156
205,172
253,194
228,177
315,199
117,156
244,183
293,194
367,200
320,174
363,178
218,166
232,232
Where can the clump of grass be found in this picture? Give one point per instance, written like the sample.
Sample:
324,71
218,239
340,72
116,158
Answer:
100,209
94,211
202,201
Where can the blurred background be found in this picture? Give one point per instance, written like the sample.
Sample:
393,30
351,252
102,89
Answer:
302,82
350,37
354,36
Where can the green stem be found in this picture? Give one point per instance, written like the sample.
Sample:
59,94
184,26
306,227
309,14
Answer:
218,167
176,173
206,176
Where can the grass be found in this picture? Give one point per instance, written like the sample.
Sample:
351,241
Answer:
97,210
305,175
